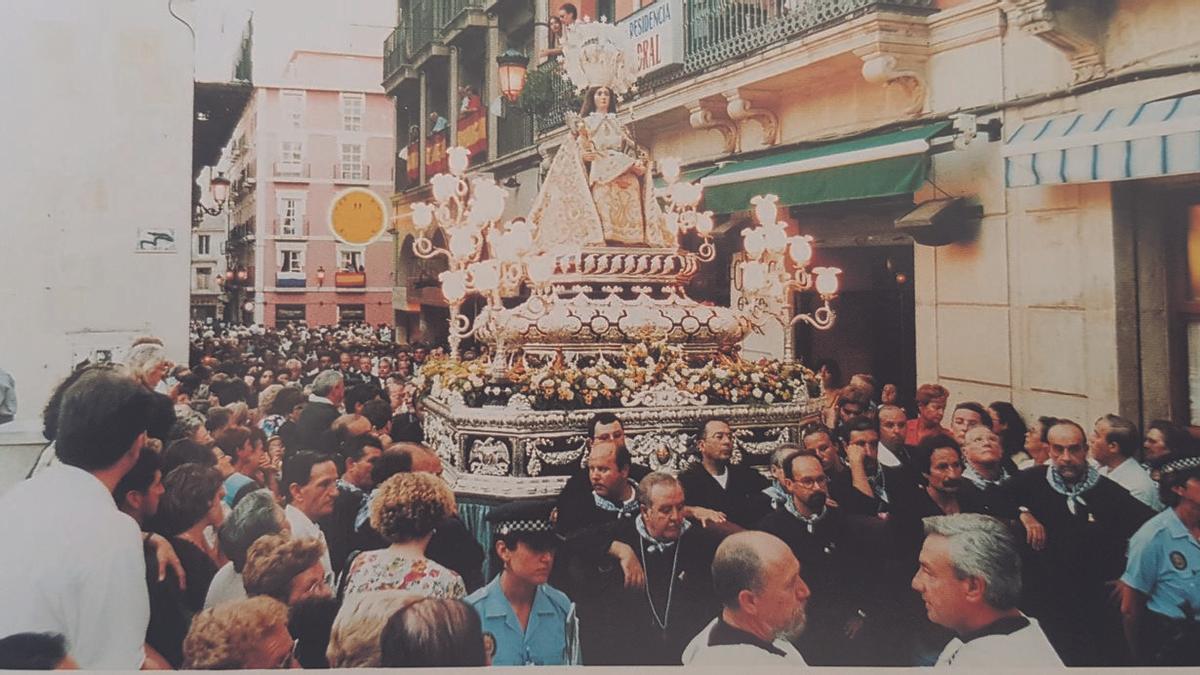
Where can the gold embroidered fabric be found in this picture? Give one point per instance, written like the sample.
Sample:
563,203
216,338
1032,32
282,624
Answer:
622,210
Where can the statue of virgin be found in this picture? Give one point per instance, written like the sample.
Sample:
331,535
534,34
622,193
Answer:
598,190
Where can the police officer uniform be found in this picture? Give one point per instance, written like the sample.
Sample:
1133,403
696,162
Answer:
551,635
1164,565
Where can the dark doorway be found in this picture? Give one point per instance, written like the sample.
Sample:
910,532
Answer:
875,331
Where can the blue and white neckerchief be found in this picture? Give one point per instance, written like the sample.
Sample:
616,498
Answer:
626,510
1073,493
810,522
776,493
364,512
878,484
982,483
657,545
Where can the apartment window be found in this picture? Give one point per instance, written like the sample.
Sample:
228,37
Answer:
286,314
293,108
203,244
352,111
352,314
291,215
291,152
352,161
203,278
351,261
291,261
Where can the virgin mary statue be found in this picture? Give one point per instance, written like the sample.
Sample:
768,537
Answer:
598,191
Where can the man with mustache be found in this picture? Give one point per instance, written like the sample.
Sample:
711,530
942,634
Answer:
1086,521
840,555
757,581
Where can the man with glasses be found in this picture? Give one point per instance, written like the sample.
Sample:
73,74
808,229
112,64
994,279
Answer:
714,483
838,553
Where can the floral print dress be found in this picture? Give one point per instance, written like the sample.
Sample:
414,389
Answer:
384,570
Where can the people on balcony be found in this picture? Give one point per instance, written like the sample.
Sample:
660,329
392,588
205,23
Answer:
603,161
554,41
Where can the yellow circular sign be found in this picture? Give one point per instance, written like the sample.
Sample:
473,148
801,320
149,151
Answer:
357,216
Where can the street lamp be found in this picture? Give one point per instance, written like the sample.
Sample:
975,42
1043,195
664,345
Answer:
242,275
512,66
219,188
775,266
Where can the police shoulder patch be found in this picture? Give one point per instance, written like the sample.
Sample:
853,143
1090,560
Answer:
1178,560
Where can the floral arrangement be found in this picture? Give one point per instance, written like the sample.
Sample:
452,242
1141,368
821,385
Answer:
597,382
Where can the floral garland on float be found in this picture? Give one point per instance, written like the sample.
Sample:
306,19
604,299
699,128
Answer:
628,380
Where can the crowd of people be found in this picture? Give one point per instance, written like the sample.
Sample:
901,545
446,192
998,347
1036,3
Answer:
271,505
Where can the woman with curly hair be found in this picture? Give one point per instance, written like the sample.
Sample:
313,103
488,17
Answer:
405,510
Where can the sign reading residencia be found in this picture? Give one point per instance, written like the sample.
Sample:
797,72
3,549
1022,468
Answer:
657,35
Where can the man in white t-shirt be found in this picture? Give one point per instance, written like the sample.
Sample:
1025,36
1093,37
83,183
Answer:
72,562
970,580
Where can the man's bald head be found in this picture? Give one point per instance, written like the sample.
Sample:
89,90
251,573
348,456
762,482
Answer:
741,560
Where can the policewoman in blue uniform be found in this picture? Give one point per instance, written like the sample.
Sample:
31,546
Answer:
529,621
1161,585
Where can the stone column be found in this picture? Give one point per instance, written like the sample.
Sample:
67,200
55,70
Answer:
491,86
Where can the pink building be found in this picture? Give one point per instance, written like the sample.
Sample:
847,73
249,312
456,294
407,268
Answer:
311,164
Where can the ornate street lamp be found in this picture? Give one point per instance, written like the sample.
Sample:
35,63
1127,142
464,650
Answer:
219,189
774,266
512,66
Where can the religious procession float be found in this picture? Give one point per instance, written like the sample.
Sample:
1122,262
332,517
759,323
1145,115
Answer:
585,307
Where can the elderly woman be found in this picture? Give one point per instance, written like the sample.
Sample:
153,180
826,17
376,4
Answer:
433,632
191,502
286,569
354,640
255,516
149,364
249,634
405,510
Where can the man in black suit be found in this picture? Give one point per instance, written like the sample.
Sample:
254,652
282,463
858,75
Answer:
602,428
842,558
328,390
733,489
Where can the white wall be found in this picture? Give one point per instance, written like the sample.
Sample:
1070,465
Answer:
97,137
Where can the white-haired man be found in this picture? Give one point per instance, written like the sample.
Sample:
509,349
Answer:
970,580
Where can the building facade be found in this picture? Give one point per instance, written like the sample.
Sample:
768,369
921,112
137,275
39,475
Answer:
1008,185
311,155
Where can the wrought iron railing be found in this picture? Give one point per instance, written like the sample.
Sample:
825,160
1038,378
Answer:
724,31
564,99
456,7
395,50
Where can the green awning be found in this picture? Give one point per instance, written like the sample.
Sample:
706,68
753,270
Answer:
882,165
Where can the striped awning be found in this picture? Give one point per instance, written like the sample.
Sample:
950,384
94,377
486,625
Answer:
1156,138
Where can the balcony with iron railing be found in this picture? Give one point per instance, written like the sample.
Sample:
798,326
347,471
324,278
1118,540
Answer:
293,226
351,173
720,32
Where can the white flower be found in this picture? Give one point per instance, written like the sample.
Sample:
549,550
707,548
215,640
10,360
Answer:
769,398
591,383
608,382
758,393
721,373
755,378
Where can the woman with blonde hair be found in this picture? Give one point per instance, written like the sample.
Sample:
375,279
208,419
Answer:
354,640
405,510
